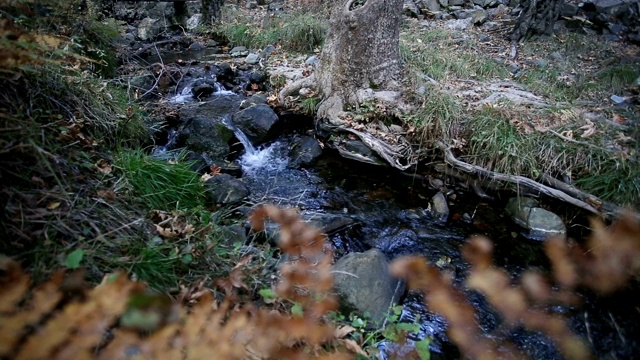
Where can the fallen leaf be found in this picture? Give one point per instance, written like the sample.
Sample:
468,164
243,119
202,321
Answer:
167,233
343,331
54,205
567,134
108,194
619,119
353,346
589,129
103,167
622,137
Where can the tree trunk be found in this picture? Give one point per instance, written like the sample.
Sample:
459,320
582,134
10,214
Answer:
536,17
361,51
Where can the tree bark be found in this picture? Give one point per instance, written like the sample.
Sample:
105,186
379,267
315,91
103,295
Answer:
361,51
536,17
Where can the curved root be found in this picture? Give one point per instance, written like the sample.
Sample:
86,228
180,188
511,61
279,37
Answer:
294,87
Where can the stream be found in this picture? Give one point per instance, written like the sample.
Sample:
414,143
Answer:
365,206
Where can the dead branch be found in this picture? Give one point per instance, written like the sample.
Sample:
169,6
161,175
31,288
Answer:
516,179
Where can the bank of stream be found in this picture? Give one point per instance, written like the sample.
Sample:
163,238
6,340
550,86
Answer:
364,206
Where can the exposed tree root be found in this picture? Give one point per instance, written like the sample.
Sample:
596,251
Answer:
510,92
400,155
524,182
294,87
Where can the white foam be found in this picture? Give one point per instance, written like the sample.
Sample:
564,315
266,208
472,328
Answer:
266,159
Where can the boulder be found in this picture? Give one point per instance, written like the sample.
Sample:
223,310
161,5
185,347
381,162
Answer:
540,223
203,90
252,59
304,151
268,50
479,16
568,9
203,130
428,5
410,9
256,122
194,21
206,135
226,189
365,285
149,28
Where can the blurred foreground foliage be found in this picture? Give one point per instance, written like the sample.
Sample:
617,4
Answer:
119,319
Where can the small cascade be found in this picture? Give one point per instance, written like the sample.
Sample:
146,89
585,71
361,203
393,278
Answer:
187,95
268,158
244,140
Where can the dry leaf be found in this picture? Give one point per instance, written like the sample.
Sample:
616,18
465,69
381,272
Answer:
108,194
353,346
619,119
343,331
589,129
53,205
103,167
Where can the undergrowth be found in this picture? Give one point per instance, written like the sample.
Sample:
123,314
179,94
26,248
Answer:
297,318
438,55
507,142
301,32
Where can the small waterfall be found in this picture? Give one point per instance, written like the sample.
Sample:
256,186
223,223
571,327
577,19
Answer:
171,140
244,140
186,95
268,158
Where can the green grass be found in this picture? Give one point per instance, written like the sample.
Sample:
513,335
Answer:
159,184
617,78
548,82
296,32
437,55
437,119
497,144
309,105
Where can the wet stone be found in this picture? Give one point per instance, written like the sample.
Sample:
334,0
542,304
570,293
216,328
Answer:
365,284
439,208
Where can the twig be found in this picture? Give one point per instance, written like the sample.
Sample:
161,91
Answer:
577,141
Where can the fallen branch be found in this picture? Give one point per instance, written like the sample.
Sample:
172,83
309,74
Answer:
516,179
608,209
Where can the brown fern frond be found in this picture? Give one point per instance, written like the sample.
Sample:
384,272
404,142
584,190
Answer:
119,319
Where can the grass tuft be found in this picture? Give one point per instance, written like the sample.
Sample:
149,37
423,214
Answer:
160,184
437,119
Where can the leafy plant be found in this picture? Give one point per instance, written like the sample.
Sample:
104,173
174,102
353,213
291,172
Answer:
309,105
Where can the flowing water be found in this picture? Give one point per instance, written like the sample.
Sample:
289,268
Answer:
367,206
388,210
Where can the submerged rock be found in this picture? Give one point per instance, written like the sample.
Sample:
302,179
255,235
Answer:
365,284
539,222
226,189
